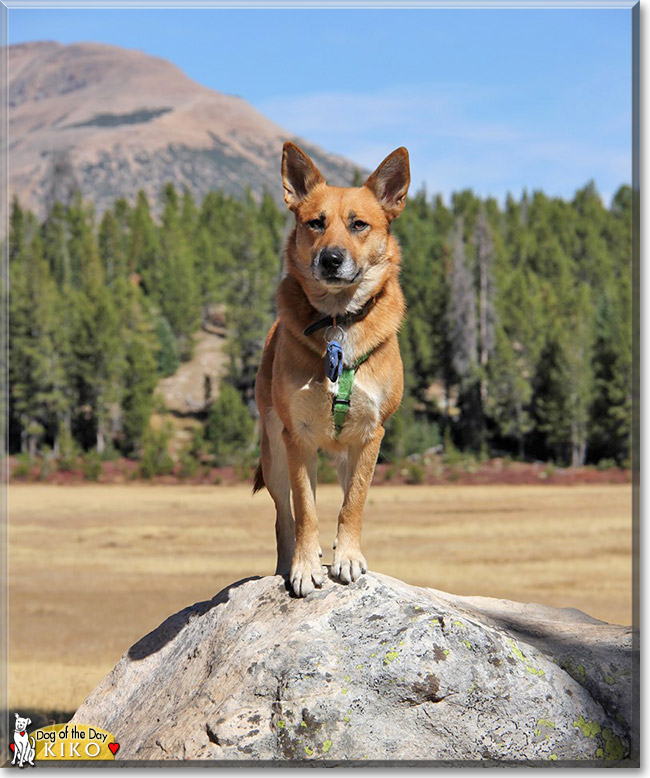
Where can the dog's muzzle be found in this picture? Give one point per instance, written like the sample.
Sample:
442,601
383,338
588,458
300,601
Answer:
333,265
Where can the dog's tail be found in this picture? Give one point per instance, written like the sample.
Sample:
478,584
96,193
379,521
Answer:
258,483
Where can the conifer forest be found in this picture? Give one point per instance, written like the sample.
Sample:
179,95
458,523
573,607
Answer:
517,340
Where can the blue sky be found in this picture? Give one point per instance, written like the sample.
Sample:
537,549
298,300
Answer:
492,100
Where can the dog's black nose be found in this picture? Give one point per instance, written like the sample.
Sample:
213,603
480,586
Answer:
331,259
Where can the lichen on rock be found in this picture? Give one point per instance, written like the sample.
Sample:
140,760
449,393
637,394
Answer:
375,671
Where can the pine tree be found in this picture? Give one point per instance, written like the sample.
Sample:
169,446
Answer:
251,289
611,409
140,372
111,248
37,392
143,250
55,231
578,345
461,321
166,352
178,294
486,293
18,237
97,347
510,391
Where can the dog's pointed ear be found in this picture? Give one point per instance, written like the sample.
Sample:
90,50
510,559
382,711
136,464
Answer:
17,716
299,174
390,182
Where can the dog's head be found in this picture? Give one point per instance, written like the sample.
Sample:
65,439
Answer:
342,238
22,724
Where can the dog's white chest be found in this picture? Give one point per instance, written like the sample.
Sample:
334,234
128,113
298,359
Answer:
313,418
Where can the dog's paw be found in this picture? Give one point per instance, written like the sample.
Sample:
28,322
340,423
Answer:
348,563
306,573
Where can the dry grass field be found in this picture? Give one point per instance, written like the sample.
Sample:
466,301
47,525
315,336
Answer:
93,568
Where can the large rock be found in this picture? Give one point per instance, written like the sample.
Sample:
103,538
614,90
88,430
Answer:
378,670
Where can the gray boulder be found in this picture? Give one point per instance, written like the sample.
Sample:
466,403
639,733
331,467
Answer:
374,671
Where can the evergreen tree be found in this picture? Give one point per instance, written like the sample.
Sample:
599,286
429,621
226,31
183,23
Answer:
97,348
611,409
166,352
111,248
251,290
143,250
462,310
36,377
178,293
55,231
487,315
140,374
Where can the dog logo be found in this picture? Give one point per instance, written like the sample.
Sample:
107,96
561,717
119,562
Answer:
24,747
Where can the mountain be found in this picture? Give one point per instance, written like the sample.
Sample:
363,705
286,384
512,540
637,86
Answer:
112,121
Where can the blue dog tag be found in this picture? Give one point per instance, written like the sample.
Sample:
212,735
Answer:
333,360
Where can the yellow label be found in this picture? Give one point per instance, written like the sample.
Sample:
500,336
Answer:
62,742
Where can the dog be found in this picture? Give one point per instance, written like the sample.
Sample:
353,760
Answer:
25,748
331,372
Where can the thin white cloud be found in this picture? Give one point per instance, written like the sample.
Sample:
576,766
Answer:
457,138
430,112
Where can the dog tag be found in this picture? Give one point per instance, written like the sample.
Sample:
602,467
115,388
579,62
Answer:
333,360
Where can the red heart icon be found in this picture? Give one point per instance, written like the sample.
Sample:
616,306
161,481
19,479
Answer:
12,746
115,747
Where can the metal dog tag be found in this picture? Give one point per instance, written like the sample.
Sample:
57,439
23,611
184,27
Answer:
333,360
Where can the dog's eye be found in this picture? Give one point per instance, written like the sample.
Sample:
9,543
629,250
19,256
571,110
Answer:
358,226
316,224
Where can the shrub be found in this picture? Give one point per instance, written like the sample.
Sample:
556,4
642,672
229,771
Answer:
416,473
110,453
408,433
188,463
23,467
229,428
91,464
451,456
469,464
548,470
155,457
245,467
68,451
48,464
198,445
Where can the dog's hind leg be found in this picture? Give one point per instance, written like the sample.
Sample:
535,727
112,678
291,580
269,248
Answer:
276,476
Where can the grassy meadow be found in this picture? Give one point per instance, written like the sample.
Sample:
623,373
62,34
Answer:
92,568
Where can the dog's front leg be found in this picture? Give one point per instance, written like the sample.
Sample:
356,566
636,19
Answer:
349,563
306,568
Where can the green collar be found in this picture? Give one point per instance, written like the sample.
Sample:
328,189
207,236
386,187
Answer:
341,404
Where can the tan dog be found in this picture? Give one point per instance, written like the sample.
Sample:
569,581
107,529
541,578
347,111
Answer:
341,281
